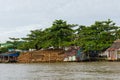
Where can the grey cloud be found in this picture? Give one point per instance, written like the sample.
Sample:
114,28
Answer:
15,14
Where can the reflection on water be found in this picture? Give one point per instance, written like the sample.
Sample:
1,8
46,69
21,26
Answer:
61,71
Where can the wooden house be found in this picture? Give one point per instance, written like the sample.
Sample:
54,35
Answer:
75,54
113,53
70,54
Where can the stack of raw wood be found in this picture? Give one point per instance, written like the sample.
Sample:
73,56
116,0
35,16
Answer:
42,56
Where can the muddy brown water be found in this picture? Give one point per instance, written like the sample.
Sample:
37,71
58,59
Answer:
61,71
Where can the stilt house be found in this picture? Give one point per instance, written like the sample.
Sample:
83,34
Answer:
113,53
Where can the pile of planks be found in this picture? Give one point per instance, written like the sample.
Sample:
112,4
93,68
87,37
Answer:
41,56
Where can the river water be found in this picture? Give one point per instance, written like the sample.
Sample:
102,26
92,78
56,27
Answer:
61,71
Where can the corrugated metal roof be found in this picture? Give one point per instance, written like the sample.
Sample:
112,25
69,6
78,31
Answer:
10,54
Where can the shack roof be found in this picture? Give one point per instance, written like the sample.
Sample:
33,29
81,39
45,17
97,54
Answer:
115,45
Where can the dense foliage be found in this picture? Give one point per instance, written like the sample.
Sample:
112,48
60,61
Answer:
97,37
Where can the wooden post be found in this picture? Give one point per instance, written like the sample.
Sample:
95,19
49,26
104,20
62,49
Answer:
49,57
3,58
8,58
116,54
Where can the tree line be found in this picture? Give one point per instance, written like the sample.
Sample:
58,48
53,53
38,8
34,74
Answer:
96,37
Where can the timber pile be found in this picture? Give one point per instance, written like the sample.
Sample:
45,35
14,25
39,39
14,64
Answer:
41,56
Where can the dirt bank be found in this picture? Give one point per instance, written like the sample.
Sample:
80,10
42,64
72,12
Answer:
41,56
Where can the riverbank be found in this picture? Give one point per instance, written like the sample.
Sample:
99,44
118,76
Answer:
44,56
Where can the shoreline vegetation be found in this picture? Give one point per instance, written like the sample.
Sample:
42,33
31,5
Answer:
89,42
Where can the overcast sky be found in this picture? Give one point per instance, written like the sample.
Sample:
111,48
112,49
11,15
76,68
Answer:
18,17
